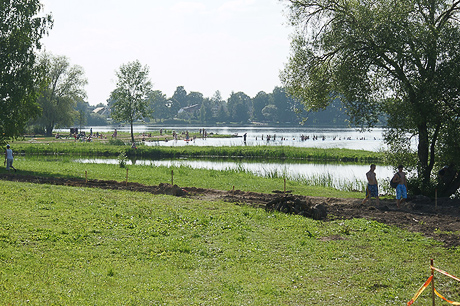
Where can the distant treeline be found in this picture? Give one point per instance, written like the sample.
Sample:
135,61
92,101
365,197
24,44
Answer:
275,108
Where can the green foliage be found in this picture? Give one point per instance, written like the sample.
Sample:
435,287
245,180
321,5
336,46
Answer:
270,113
67,246
129,101
239,107
382,56
400,151
20,35
116,142
122,159
64,87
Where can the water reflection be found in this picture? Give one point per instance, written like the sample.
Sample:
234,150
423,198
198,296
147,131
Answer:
339,175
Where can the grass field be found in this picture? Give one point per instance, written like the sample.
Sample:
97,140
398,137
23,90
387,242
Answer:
77,246
115,147
59,166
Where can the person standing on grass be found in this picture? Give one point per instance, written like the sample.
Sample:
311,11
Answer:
372,189
401,189
9,158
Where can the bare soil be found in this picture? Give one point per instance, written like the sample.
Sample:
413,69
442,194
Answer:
439,220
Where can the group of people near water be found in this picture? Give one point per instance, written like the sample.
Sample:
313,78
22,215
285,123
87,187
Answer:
307,137
399,179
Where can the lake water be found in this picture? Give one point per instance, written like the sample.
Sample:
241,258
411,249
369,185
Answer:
279,136
339,175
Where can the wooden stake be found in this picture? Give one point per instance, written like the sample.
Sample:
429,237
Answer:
172,177
86,177
126,176
284,186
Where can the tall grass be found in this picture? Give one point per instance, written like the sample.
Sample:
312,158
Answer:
326,180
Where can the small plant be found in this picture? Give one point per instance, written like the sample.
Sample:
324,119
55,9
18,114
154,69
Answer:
122,159
116,142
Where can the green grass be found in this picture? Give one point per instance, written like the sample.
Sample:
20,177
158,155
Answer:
76,246
58,166
105,148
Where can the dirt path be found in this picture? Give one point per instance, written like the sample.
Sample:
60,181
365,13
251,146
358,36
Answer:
417,215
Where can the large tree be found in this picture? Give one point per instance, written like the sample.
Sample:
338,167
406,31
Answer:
130,98
65,86
159,105
20,33
179,99
398,57
261,100
239,107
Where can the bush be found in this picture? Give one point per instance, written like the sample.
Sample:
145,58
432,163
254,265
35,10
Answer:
416,187
116,142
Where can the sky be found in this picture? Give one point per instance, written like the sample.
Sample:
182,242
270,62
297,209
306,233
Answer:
203,45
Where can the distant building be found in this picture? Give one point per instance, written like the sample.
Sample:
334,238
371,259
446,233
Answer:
190,109
103,111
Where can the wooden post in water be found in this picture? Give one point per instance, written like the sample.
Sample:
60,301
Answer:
126,176
432,284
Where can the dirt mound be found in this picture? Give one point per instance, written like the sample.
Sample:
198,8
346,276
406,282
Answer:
440,220
295,205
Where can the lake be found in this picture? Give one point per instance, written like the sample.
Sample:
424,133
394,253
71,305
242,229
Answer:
339,175
352,176
279,136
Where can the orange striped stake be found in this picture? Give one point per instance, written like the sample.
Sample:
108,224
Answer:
450,302
424,286
434,291
432,285
445,273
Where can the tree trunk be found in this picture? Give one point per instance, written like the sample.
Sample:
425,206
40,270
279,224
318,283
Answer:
132,132
49,130
424,170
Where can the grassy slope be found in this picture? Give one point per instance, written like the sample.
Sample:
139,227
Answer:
76,246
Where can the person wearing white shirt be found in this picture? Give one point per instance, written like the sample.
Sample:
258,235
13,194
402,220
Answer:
9,158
